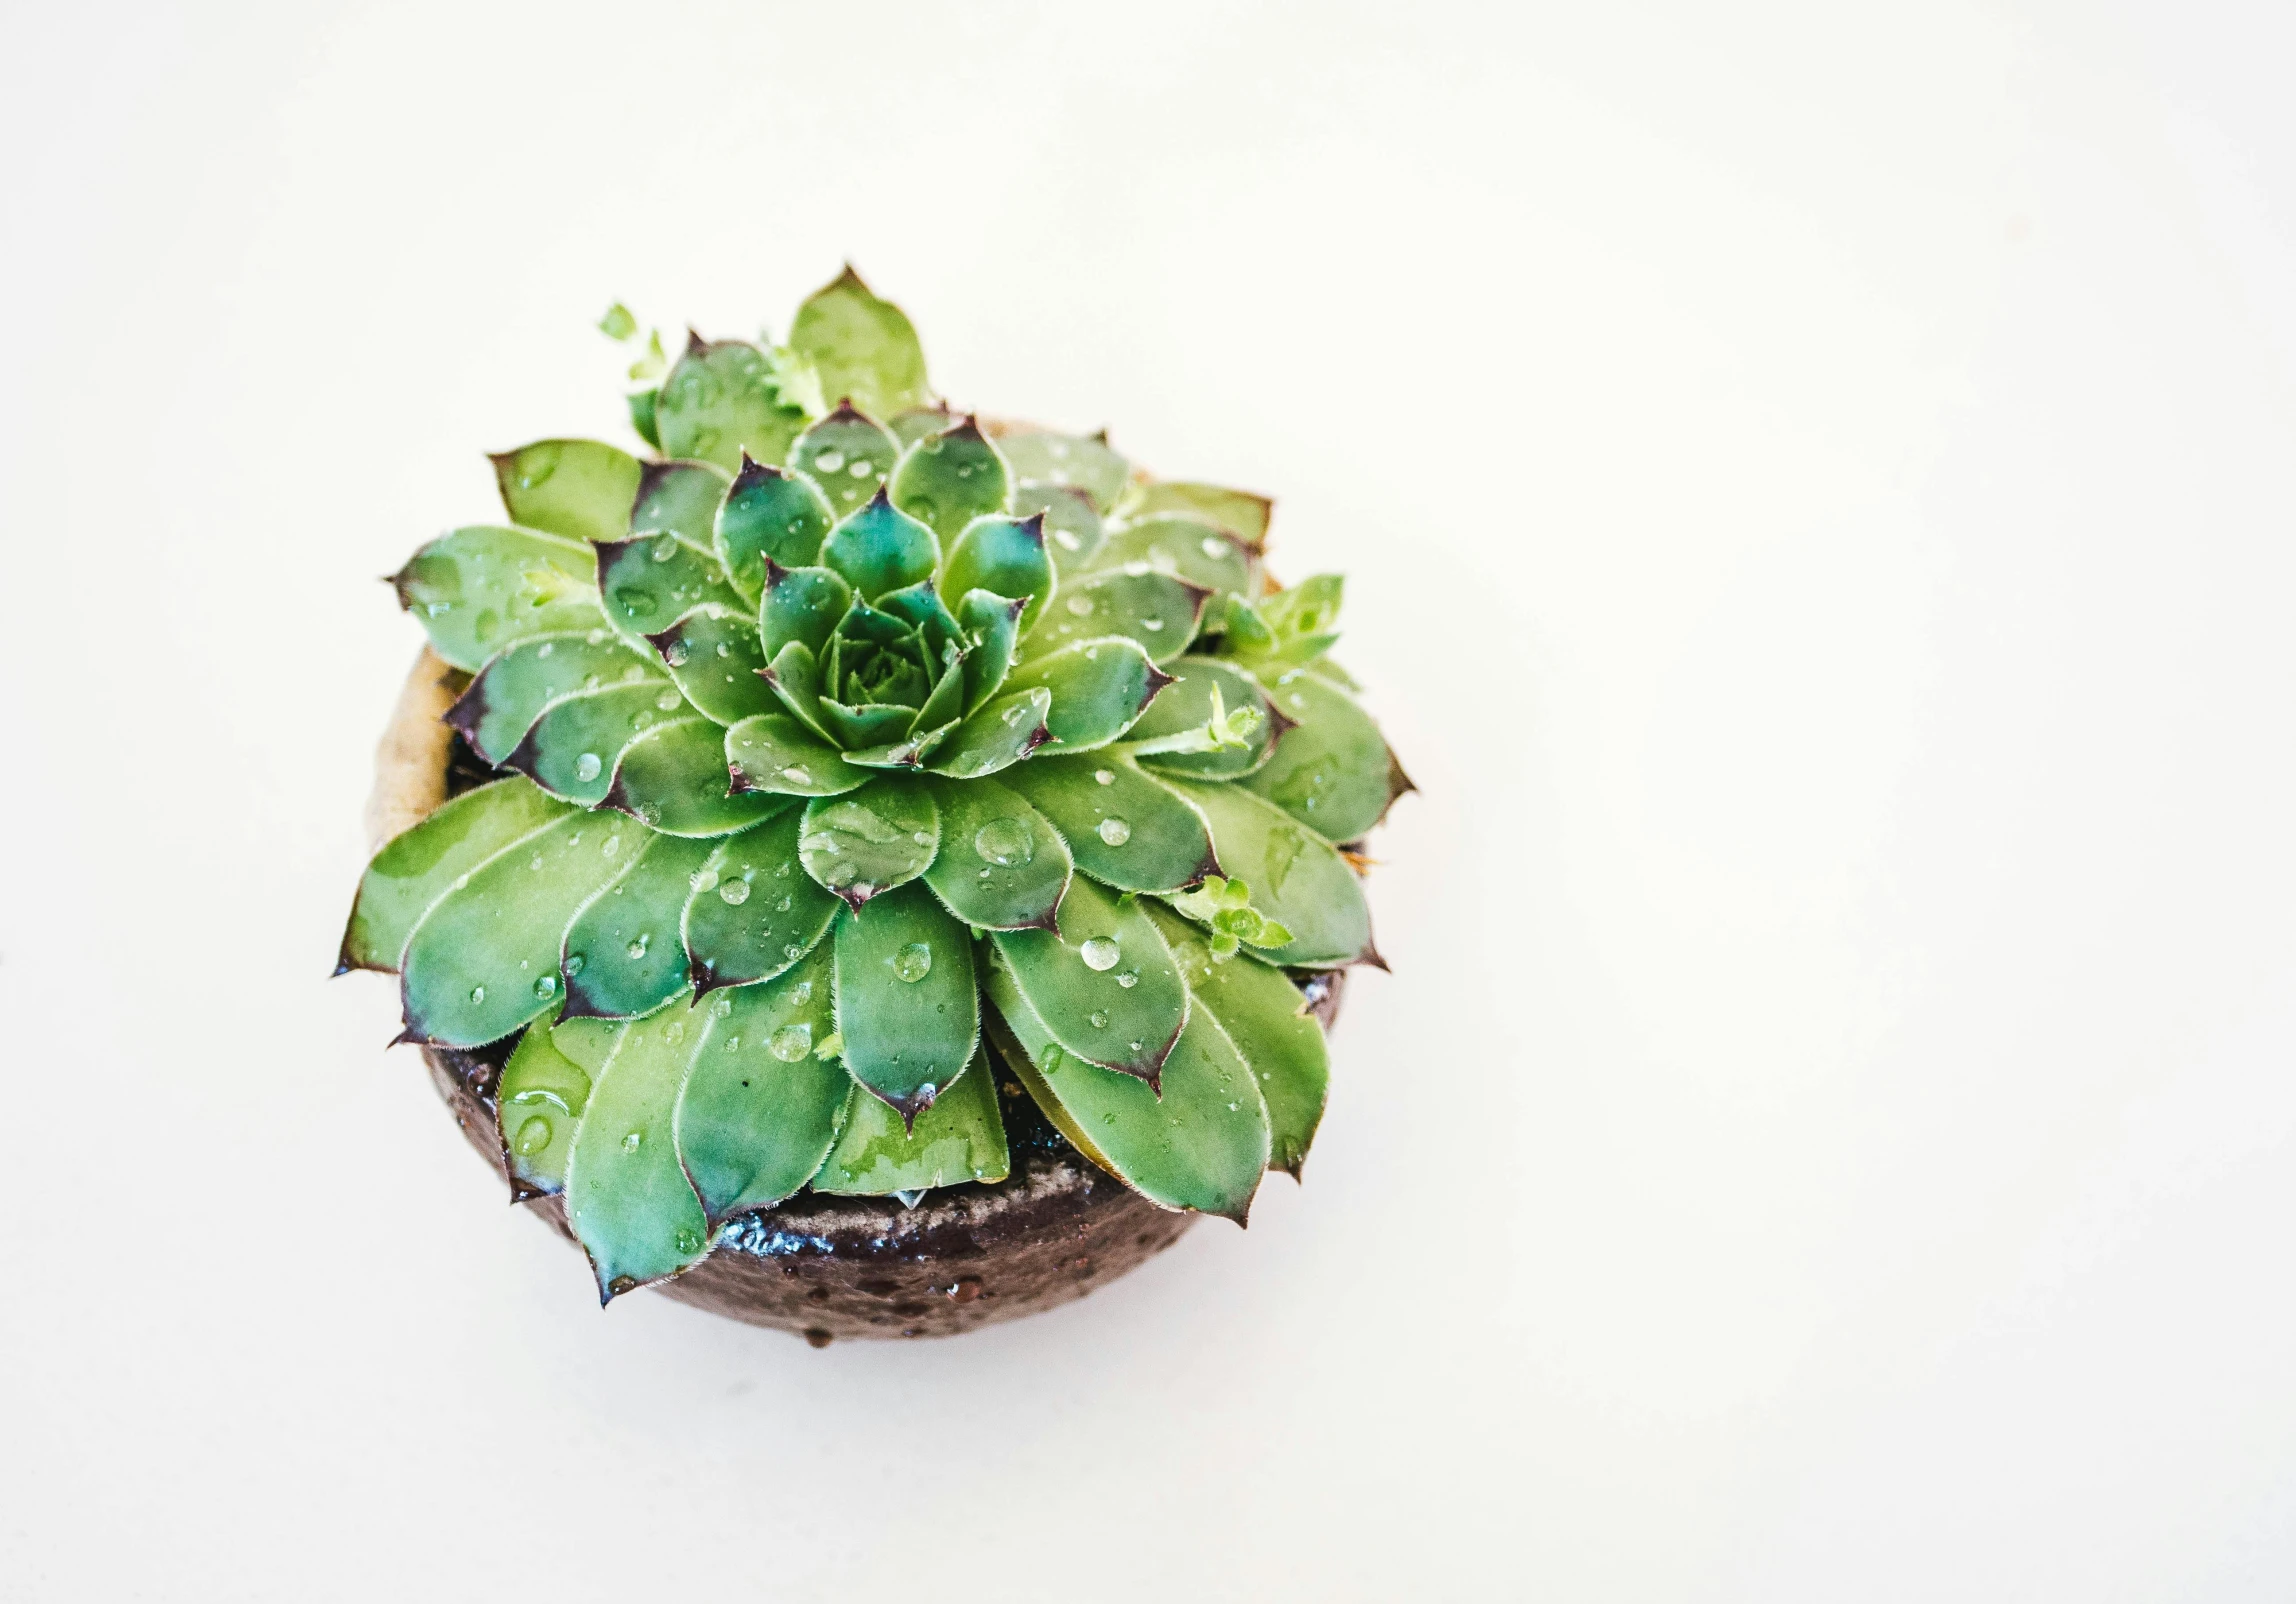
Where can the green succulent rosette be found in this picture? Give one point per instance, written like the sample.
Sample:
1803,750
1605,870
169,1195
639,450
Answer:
843,744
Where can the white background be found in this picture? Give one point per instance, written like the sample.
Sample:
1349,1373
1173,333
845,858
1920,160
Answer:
1818,488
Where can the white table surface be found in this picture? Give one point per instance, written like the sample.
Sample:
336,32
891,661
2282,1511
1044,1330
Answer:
1818,484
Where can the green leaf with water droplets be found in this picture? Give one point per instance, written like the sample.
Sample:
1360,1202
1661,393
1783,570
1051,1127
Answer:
1068,461
475,964
578,488
1248,725
802,605
769,514
674,778
869,725
1266,1018
681,498
627,1197
480,589
759,1110
1333,772
573,748
847,457
1238,511
774,752
881,836
960,1138
996,737
621,955
949,479
1123,827
752,911
1198,1140
908,1012
1001,865
1295,626
1103,982
518,683
714,655
1187,547
649,581
1297,878
538,1101
864,349
881,548
1098,687
1158,611
420,865
1005,556
1073,531
722,399
991,623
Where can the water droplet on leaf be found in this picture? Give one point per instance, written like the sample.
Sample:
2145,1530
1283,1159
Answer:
1114,831
913,962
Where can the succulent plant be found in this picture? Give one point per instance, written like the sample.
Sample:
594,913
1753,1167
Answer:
829,744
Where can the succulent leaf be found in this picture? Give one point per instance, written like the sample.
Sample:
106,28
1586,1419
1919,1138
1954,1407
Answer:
484,959
1296,876
681,498
627,1197
1123,827
774,752
1158,611
1288,629
863,348
769,515
1099,688
1197,1141
539,1098
1241,513
1267,1020
417,867
913,425
1332,771
722,399
714,654
848,457
801,604
1188,547
1001,864
991,623
959,1138
673,777
1067,461
751,911
1239,725
759,1110
1071,522
573,749
881,836
517,684
1103,981
1005,556
908,1009
650,581
578,488
621,955
996,737
480,589
881,548
642,421
947,480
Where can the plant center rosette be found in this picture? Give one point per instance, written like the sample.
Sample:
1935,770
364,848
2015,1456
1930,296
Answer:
837,755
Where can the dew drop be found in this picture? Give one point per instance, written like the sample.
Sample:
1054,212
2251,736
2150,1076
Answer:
533,1135
663,549
1214,546
830,461
702,880
791,1043
676,653
1128,979
586,767
632,1142
1081,606
1104,776
674,1031
546,987
573,964
1053,1058
1067,539
720,1007
1100,953
796,774
733,893
667,700
860,468
1099,1020
1114,831
1152,625
1007,843
637,948
913,962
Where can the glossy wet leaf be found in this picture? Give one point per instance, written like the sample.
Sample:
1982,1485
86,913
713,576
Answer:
1124,828
960,1138
501,704
769,514
585,1042
1186,705
1187,547
1158,611
578,488
1237,511
908,1011
759,1109
1001,864
682,498
1098,689
1072,526
801,605
868,725
1004,556
1266,1018
721,399
947,480
538,1102
1334,772
1198,1141
752,911
1068,461
991,623
1104,982
474,967
995,738
649,581
714,655
1296,877
621,956
864,349
848,457
627,1197
573,748
880,548
480,589
774,752
879,837
673,777
420,865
